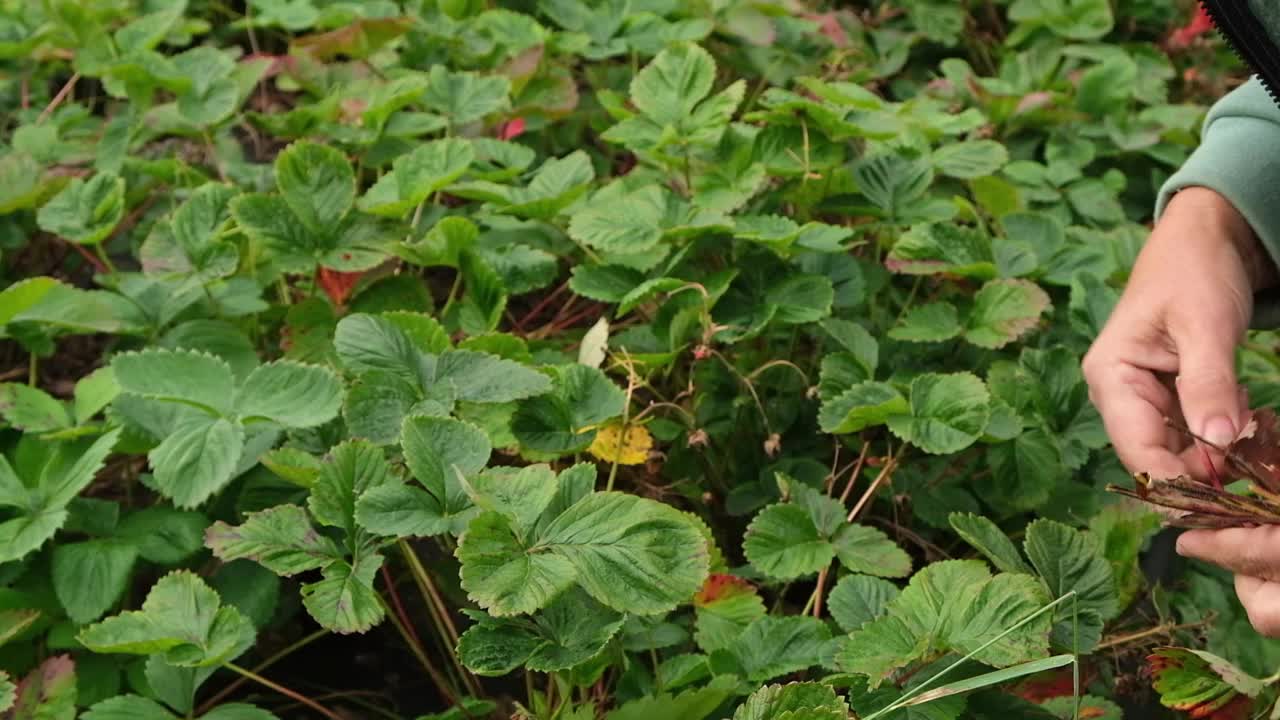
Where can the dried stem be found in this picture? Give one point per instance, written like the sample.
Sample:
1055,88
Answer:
284,691
262,666
58,99
885,471
1162,629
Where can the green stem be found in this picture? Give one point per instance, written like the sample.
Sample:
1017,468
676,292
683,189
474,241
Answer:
453,294
224,692
102,255
915,288
283,691
33,370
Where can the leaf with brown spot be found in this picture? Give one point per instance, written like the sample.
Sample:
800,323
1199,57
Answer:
48,692
358,40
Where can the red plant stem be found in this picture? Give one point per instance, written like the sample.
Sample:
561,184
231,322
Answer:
541,306
399,607
89,257
857,468
1213,472
559,324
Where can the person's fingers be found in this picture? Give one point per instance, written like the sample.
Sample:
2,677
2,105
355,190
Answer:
1261,600
1133,405
1207,387
1246,551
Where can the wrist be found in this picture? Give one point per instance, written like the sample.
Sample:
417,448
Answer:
1221,221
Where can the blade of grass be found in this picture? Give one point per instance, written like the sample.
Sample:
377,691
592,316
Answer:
995,677
919,689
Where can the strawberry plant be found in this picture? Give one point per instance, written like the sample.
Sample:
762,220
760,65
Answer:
594,359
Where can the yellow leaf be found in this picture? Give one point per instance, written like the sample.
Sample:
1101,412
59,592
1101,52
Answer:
611,445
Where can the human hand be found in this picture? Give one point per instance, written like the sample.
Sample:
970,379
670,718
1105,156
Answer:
1253,554
1168,349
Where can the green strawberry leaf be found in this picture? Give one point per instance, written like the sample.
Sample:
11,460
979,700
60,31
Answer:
190,243
868,550
970,159
796,700
1069,559
181,617
502,575
936,248
987,538
864,405
42,502
563,421
858,599
668,89
783,543
616,547
344,600
164,535
416,176
555,186
89,577
465,97
435,450
948,412
32,410
85,212
773,646
191,378
290,394
1003,311
570,631
351,470
279,538
933,322
317,183
951,605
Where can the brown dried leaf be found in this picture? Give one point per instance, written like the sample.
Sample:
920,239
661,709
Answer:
1255,452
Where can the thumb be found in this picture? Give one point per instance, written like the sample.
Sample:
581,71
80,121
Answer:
1207,389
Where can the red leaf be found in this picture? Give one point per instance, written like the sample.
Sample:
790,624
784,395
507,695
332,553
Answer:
829,25
337,284
1199,25
720,586
511,129
1238,709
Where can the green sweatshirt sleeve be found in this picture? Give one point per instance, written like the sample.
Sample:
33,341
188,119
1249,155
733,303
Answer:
1239,158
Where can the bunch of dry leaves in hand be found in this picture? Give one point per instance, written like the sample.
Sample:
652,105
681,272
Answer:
1188,503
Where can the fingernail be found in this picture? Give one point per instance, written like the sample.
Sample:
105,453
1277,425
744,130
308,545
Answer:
1183,546
1219,431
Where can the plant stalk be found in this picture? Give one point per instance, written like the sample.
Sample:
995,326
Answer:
262,666
439,612
441,682
283,691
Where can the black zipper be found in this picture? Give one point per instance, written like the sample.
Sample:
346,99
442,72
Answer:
1249,39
